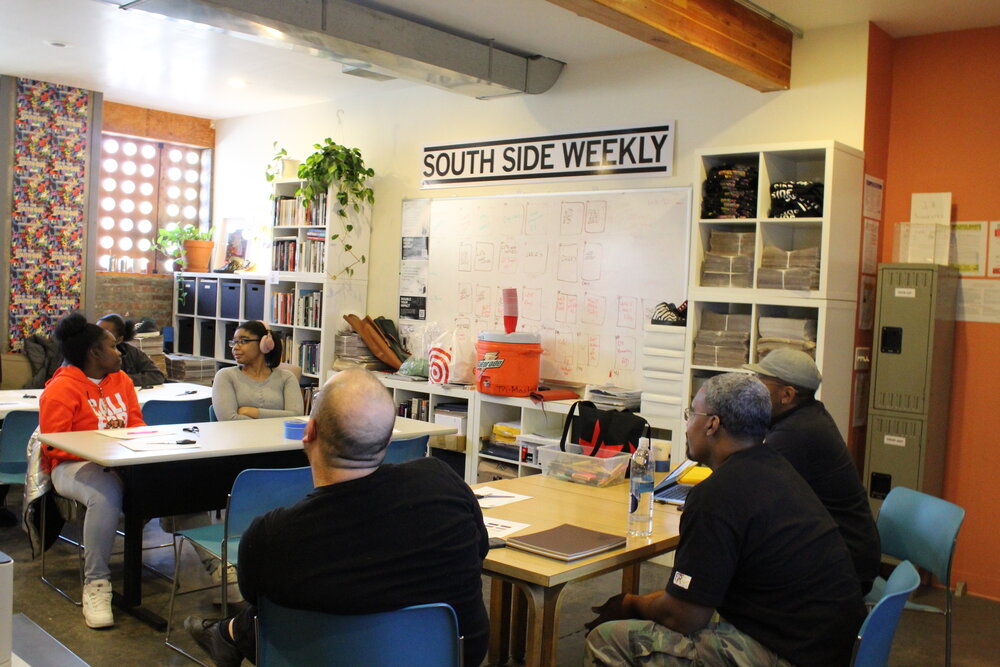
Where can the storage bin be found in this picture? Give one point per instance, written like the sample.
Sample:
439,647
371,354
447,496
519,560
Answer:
668,361
208,295
658,382
229,300
206,340
185,335
230,330
575,466
665,337
659,405
186,307
253,301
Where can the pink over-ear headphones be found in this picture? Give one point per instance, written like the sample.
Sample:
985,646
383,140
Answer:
267,340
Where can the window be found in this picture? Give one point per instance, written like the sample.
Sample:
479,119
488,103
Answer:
146,185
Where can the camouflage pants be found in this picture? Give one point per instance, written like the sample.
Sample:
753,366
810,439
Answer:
634,642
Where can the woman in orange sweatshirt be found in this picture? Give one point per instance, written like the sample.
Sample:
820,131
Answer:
89,392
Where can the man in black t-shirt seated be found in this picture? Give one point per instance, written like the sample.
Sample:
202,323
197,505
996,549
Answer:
756,545
369,538
804,433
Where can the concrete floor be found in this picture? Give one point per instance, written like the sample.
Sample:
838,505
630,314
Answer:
919,640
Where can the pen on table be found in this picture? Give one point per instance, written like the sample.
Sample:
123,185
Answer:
185,393
150,432
491,495
171,442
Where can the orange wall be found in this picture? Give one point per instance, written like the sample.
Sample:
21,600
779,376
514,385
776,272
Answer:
878,96
944,136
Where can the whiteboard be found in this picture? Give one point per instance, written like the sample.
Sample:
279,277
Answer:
589,268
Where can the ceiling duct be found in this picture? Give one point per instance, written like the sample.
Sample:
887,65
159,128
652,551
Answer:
361,37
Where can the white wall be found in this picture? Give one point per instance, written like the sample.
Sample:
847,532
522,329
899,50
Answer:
826,102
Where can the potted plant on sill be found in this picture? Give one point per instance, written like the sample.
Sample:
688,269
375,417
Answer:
191,249
344,168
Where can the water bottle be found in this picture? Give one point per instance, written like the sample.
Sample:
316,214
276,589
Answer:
640,507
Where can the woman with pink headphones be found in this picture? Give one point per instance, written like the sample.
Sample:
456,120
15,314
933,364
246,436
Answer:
257,388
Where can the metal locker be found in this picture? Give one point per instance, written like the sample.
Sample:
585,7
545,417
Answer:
911,379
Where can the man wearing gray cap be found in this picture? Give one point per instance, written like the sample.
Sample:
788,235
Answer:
805,433
369,538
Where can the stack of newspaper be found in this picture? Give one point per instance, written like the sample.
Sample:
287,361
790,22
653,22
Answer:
610,397
723,340
789,269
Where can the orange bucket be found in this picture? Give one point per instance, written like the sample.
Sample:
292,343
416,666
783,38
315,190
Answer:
508,364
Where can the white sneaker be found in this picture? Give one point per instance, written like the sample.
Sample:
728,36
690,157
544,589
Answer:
233,595
97,604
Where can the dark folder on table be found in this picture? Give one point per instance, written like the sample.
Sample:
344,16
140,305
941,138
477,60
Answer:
567,542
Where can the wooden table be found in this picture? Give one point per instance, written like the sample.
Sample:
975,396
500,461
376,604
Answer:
542,579
183,481
27,399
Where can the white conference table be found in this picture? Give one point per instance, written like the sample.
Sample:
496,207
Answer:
27,399
173,480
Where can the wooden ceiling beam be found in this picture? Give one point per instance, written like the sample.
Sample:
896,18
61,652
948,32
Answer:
721,35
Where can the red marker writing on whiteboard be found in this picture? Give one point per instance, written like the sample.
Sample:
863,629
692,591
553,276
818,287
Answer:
510,309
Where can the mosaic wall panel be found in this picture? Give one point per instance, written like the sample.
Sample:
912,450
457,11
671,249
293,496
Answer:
49,211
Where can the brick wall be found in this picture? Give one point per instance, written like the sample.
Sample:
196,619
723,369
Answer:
135,296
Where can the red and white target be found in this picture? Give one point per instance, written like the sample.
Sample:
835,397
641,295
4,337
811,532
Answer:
438,361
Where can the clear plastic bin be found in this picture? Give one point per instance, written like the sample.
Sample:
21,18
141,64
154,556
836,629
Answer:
575,466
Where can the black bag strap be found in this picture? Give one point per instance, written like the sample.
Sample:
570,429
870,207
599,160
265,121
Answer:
568,424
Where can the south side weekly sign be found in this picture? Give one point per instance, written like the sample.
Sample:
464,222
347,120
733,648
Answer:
644,151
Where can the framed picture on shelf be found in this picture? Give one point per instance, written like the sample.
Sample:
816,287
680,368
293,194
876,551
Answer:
238,241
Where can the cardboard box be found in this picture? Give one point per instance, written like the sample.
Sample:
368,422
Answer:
491,471
455,443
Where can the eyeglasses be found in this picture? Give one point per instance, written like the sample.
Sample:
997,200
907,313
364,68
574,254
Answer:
688,412
241,341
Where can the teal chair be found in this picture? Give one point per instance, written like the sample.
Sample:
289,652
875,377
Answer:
922,529
419,636
158,413
256,491
875,636
211,414
401,451
17,428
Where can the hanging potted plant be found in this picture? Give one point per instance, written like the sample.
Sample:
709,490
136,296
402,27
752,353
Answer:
343,168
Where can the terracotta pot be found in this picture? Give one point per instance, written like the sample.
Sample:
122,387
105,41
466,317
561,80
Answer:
198,254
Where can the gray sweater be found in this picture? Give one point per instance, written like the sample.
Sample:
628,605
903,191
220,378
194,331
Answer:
277,396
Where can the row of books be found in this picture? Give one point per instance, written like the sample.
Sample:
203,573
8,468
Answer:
308,256
289,211
282,307
309,309
415,408
306,354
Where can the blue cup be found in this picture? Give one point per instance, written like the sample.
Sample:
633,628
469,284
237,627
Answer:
294,429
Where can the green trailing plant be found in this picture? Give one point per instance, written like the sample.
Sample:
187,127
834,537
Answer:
343,168
273,169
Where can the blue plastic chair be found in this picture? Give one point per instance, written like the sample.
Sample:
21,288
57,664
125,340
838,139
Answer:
875,636
401,451
157,413
419,636
922,529
256,491
17,428
211,413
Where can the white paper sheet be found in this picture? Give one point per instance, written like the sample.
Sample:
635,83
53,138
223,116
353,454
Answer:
140,432
502,527
157,446
490,497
